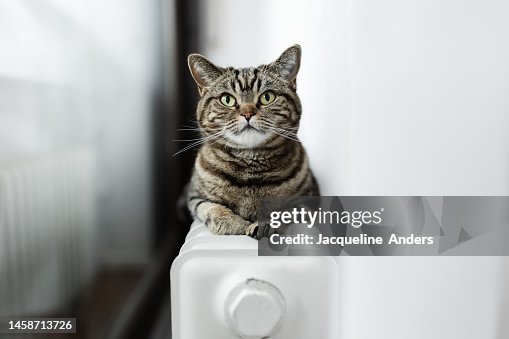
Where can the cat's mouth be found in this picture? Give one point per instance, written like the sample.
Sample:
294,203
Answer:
248,128
247,135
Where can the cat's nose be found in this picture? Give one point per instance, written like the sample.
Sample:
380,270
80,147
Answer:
248,111
247,115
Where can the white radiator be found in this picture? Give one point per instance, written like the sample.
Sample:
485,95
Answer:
221,288
46,232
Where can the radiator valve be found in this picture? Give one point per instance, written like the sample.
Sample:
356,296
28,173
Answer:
255,309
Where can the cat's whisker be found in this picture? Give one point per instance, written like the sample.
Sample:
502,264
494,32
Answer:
287,129
202,141
187,126
196,139
190,129
281,130
282,134
285,136
188,139
191,146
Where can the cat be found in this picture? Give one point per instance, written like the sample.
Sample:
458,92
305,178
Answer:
249,118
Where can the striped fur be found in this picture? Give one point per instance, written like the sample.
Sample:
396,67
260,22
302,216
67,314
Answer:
249,150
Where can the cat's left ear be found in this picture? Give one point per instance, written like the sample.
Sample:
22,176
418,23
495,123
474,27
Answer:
203,71
288,64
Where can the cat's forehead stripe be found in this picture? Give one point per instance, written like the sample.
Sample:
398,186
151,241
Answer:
244,79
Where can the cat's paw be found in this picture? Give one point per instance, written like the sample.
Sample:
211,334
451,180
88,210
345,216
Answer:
252,230
265,231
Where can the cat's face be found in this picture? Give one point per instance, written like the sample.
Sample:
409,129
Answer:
248,107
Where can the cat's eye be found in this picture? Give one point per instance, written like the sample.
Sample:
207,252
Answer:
267,97
228,100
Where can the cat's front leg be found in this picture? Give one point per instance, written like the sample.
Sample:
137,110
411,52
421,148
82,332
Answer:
220,219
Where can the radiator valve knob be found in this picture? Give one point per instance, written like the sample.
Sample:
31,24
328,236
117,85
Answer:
255,309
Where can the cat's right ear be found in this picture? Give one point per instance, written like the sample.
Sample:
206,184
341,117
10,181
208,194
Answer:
203,71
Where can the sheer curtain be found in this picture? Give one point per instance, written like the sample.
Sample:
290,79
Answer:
82,75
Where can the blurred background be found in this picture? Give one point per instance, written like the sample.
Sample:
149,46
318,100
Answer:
91,96
399,98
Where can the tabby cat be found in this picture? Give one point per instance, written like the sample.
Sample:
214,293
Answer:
249,119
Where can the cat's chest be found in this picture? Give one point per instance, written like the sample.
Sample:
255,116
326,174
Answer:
250,190
244,201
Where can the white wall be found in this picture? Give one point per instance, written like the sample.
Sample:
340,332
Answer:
400,97
430,109
421,297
